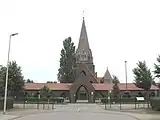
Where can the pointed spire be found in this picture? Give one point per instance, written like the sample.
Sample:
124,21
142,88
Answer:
107,77
83,40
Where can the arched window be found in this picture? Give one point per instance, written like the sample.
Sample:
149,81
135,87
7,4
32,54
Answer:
83,73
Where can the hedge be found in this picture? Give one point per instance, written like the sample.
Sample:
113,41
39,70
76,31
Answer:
9,104
131,100
35,100
155,103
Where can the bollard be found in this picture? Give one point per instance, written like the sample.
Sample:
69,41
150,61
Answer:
37,104
24,104
48,103
53,105
43,105
120,103
105,105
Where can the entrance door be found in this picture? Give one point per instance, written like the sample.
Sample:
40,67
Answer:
82,94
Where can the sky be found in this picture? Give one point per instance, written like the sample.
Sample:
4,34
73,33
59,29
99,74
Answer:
118,31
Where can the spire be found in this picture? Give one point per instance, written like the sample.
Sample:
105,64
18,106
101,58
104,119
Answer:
107,77
83,40
83,52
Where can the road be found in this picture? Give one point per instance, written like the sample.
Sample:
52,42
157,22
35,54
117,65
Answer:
77,112
76,116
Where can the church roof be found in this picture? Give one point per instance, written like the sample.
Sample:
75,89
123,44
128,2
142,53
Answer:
97,86
107,77
83,40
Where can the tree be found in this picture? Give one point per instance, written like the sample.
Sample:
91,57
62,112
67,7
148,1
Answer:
143,78
115,79
49,82
45,92
154,83
1,87
116,91
15,78
55,82
29,81
66,72
157,68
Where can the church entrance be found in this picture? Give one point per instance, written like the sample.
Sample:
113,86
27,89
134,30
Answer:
82,94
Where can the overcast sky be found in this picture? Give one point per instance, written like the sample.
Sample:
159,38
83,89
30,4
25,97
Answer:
118,30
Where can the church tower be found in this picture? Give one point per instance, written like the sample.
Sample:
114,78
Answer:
84,59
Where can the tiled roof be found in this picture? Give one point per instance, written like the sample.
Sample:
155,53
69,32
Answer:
102,86
130,86
34,86
97,86
51,86
153,87
58,86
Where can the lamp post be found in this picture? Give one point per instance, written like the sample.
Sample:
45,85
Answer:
110,97
126,73
6,84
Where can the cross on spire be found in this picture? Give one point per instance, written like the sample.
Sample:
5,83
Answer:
83,14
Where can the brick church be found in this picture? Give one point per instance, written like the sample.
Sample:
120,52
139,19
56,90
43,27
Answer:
87,85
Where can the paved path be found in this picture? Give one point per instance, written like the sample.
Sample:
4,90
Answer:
76,116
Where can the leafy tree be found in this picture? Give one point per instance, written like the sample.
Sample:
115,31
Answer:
157,68
29,81
143,78
66,72
45,92
116,91
1,87
154,83
115,79
49,82
15,79
55,82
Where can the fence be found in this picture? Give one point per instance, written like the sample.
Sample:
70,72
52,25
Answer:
36,103
124,103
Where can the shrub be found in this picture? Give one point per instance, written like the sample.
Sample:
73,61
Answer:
104,100
119,100
128,100
44,100
155,103
58,100
9,105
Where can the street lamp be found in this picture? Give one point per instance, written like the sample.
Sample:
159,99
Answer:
126,73
6,84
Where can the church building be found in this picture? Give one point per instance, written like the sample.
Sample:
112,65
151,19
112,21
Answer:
87,85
